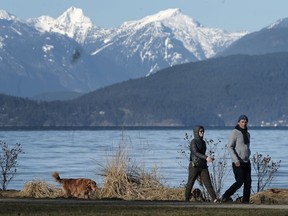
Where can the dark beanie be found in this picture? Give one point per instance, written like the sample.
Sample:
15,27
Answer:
242,117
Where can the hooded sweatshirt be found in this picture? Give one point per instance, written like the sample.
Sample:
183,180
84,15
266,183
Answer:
198,149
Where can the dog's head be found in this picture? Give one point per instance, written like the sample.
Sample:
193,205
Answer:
92,185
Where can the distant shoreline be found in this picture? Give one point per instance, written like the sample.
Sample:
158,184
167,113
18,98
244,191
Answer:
91,128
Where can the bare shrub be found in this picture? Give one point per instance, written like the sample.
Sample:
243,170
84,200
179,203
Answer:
218,168
265,170
8,162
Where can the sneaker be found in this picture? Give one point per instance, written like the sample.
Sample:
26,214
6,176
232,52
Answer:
227,200
217,201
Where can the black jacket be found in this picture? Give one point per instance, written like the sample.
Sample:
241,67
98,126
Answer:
198,149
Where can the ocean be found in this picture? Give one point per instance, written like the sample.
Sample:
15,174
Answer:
84,153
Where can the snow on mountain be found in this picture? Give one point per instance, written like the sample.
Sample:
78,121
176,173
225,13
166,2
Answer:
281,23
144,46
72,23
33,62
189,31
6,16
270,39
74,54
163,40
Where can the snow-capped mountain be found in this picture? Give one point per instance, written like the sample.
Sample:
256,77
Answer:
33,62
72,23
270,39
147,45
70,53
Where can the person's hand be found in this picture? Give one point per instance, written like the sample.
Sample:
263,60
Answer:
209,159
237,163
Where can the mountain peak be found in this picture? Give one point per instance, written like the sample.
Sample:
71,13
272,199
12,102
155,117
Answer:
74,15
72,23
169,16
7,16
167,13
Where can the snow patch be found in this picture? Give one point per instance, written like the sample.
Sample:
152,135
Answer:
7,16
1,42
46,48
17,32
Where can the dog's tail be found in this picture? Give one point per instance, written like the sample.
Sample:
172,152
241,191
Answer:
56,177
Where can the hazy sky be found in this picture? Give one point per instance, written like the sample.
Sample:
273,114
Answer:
231,15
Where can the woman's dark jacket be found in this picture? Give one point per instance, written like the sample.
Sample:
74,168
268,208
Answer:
198,149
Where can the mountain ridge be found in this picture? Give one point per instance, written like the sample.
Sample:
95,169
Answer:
179,96
73,54
156,26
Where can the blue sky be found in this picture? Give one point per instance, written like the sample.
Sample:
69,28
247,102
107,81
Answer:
231,15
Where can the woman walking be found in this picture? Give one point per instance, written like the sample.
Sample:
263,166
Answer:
198,164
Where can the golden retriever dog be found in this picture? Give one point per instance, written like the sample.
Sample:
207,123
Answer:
78,187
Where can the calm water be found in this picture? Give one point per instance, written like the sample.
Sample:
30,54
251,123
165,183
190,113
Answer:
84,153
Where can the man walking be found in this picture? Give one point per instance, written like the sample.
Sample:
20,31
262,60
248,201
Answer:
239,150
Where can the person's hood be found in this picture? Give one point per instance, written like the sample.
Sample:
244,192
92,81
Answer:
196,131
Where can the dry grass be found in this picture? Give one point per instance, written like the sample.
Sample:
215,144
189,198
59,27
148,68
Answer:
40,189
271,196
123,179
120,188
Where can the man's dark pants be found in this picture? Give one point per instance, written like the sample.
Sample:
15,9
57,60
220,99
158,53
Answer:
242,176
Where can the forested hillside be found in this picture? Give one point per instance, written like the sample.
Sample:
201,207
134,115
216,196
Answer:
212,92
